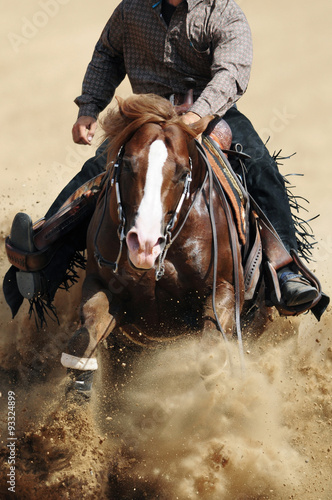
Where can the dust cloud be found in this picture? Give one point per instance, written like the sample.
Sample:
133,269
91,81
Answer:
175,423
178,422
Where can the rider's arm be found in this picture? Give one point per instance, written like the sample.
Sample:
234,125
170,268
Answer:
231,50
105,71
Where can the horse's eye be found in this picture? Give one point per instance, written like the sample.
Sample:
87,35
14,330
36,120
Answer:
184,175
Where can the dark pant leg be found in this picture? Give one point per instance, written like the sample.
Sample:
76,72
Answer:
92,167
264,181
75,240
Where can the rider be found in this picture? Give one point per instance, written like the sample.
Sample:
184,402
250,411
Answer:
158,44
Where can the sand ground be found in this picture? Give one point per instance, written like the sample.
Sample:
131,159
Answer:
266,437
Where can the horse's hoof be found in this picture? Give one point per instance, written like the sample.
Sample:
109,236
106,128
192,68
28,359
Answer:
295,289
77,398
80,387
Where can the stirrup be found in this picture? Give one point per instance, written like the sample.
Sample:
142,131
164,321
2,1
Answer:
30,284
295,289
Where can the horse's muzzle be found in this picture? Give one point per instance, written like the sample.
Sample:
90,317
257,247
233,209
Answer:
143,251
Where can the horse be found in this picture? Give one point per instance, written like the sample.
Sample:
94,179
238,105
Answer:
161,260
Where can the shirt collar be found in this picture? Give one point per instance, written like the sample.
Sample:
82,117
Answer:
191,3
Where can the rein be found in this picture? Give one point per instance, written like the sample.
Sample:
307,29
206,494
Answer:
233,241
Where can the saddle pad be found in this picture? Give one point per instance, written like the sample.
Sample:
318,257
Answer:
236,195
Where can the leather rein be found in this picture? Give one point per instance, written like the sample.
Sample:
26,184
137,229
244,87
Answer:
214,182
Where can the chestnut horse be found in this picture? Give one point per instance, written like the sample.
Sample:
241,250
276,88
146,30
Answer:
152,271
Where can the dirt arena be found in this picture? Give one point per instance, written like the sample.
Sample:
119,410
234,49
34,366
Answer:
161,434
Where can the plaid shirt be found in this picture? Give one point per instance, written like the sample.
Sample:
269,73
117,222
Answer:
208,40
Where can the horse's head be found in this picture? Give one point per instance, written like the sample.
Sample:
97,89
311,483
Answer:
155,168
154,174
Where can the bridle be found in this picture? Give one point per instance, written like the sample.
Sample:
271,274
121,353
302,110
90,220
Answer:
115,181
102,262
160,270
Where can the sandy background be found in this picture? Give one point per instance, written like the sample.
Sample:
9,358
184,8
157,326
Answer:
266,437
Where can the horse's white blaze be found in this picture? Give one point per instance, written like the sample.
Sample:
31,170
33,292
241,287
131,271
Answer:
143,240
150,209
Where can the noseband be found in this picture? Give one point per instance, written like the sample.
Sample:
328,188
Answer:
114,181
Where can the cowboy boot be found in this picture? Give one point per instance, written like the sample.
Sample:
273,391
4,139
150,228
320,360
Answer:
295,289
30,284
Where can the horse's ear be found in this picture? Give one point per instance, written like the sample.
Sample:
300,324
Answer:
199,126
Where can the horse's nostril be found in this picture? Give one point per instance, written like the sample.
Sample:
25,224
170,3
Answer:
132,240
161,241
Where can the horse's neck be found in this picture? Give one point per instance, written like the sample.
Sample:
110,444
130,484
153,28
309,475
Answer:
199,169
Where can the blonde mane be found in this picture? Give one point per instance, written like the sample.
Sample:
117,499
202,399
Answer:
120,124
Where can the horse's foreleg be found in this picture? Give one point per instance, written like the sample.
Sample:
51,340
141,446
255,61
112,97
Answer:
224,309
212,355
96,324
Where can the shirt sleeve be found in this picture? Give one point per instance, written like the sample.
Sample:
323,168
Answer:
231,47
106,70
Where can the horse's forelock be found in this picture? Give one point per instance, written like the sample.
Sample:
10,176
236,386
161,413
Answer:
147,104
120,124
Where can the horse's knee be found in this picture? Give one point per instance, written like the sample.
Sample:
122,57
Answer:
95,307
96,317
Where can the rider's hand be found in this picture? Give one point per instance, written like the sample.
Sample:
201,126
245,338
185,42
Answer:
190,117
84,129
